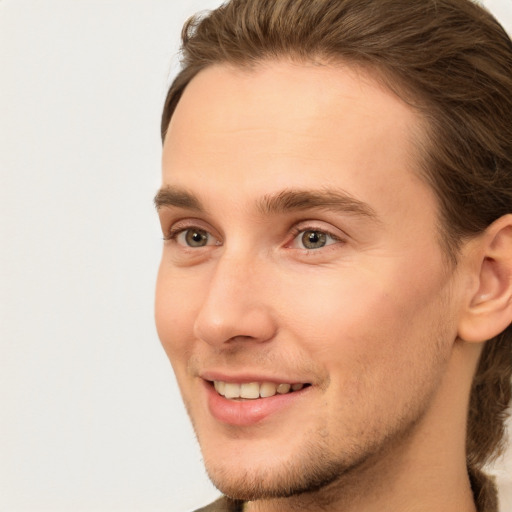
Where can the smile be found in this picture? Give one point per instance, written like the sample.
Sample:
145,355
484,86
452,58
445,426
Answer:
254,390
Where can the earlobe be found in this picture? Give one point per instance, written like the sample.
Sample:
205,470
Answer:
489,310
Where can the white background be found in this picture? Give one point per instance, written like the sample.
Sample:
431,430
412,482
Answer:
90,416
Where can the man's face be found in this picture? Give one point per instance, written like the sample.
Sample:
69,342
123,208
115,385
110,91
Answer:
302,250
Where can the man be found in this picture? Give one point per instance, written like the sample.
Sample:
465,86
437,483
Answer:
335,292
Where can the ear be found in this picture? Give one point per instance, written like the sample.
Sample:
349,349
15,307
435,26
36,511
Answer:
489,308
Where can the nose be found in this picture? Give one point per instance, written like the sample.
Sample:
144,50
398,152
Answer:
236,304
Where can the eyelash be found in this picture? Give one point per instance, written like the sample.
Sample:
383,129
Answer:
174,232
295,231
298,229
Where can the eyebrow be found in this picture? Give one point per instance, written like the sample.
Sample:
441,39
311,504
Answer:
177,197
288,200
325,199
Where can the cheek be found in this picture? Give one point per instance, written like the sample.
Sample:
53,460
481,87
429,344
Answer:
174,314
382,321
383,348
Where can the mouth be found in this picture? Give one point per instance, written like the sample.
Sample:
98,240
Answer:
249,401
254,390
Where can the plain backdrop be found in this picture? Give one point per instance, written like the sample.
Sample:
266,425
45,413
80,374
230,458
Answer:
90,416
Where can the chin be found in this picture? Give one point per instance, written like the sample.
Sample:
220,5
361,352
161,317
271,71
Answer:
295,467
273,482
308,471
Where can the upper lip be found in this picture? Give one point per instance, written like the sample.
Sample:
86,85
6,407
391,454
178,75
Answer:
247,377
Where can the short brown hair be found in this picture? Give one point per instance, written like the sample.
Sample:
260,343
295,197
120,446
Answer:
452,62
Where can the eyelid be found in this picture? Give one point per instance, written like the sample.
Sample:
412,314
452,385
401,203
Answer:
182,225
334,240
317,225
301,227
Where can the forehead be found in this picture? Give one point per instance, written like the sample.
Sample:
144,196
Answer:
256,131
293,91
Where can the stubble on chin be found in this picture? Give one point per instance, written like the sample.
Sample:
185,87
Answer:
308,472
315,473
325,467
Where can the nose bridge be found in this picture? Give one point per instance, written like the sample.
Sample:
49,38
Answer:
235,303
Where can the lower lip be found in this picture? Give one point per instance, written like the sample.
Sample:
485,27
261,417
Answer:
243,413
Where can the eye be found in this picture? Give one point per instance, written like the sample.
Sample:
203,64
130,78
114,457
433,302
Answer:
311,239
193,237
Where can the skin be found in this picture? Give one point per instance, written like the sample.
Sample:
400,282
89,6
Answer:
369,320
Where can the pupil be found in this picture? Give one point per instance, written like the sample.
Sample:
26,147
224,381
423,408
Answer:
313,239
196,238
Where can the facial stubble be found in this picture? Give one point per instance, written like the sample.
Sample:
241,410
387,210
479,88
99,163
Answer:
316,472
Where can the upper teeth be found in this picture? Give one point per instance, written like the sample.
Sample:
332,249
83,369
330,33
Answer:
253,389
